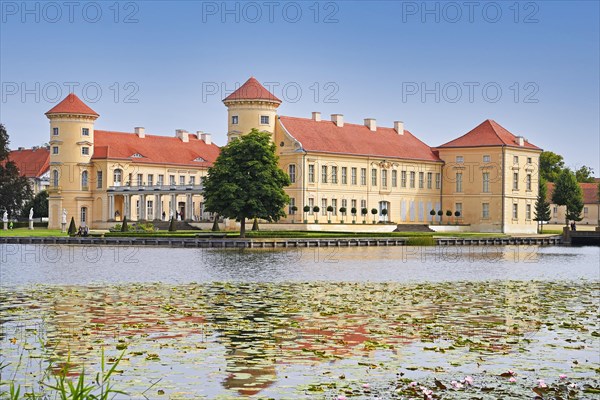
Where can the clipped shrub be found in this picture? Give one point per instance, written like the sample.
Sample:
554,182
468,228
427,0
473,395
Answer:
172,225
72,228
124,227
255,225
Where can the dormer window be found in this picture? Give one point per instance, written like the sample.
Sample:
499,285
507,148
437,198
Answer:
85,131
199,159
136,155
234,119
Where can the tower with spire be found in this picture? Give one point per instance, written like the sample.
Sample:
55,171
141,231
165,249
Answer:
71,150
251,106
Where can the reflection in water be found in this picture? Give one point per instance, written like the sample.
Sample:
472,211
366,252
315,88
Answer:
262,329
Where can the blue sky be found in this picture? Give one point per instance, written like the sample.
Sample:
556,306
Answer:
441,67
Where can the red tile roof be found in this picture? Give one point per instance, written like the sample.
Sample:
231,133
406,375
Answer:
72,105
327,137
154,149
252,90
590,192
32,163
488,133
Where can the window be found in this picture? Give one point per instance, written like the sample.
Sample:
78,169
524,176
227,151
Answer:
528,211
117,177
486,182
460,159
311,203
438,180
292,172
264,119
515,210
394,178
84,180
516,160
291,206
384,178
334,175
99,179
353,176
85,131
528,160
412,179
85,151
83,215
403,179
192,180
485,210
458,207
363,176
459,182
55,131
429,180
528,182
234,120
323,206
585,210
486,159
181,180
311,173
55,177
149,209
345,203
172,180
334,205
353,203
140,180
516,181
344,175
421,177
373,177
324,174
161,180
54,149
555,210
150,180
363,204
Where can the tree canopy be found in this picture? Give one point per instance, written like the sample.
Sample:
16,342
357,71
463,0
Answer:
567,192
551,165
542,206
246,182
15,189
584,174
39,203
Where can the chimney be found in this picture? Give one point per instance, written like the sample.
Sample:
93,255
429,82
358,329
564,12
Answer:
140,132
338,119
316,116
21,148
371,123
183,135
399,127
34,148
206,137
521,140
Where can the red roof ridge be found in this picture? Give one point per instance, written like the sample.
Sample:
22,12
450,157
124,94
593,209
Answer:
488,133
72,105
252,90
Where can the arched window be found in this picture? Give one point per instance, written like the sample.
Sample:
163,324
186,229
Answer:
118,177
84,180
83,215
55,177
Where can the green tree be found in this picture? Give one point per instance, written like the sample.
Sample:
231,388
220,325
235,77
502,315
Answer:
551,165
124,227
567,192
246,181
39,203
72,228
584,174
542,206
172,225
15,189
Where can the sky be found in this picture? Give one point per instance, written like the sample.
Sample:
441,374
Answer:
441,67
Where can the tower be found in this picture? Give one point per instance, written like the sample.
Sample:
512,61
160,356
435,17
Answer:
71,150
250,106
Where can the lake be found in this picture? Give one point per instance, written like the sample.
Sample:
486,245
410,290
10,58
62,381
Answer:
391,322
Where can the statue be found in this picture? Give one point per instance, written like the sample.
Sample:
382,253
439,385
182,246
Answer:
64,216
5,216
31,213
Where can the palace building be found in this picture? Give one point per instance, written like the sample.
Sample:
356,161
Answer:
488,175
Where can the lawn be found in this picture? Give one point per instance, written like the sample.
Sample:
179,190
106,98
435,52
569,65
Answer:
36,232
